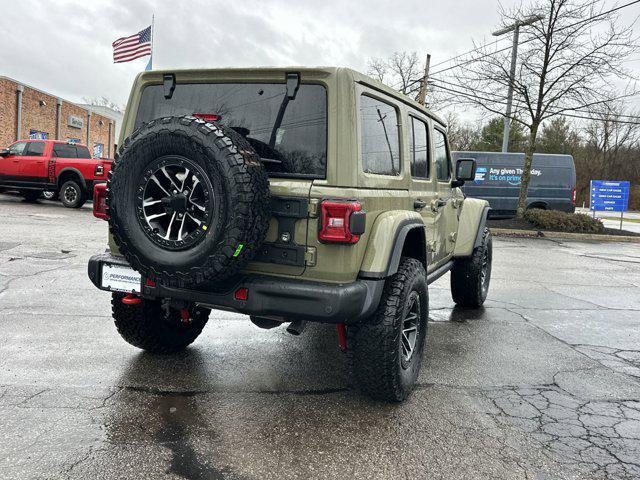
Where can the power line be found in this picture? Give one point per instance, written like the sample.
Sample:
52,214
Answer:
601,14
474,96
487,44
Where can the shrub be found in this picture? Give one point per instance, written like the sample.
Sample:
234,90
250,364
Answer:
563,222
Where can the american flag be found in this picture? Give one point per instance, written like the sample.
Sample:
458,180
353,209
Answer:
135,46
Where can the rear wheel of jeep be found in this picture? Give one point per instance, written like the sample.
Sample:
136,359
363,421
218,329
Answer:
72,194
386,351
470,277
188,201
155,327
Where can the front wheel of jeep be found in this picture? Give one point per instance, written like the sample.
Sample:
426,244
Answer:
156,327
470,276
386,351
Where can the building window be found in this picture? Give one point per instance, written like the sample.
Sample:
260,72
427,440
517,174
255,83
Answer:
380,145
36,135
98,150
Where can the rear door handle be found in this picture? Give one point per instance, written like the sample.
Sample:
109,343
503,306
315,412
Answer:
419,204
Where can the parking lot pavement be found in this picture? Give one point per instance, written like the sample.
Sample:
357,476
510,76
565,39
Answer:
542,383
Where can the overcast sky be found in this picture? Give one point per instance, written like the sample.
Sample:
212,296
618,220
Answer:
64,46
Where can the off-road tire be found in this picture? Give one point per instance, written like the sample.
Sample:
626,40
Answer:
30,195
151,327
469,286
75,200
374,347
240,217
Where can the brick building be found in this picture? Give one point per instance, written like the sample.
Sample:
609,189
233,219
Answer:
26,112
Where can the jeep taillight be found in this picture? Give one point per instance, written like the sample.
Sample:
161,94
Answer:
342,221
99,170
100,201
573,196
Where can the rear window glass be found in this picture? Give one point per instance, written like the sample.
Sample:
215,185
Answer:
380,145
35,149
65,150
294,146
83,152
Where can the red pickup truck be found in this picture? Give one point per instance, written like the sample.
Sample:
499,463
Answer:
35,166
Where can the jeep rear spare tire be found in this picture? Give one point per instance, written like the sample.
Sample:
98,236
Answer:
188,201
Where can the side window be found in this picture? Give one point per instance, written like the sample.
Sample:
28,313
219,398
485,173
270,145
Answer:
442,161
419,149
380,137
35,149
17,149
64,150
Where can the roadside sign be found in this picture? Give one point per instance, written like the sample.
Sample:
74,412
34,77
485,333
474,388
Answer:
609,196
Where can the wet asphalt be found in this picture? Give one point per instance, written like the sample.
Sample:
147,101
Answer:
543,383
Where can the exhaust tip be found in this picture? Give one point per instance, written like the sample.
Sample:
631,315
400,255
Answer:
296,328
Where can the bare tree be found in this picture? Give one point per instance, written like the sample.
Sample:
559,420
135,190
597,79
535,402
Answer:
378,68
399,71
461,136
567,62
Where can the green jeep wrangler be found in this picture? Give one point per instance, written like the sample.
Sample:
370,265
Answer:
292,195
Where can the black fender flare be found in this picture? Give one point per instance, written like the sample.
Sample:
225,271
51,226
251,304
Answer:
402,231
76,172
481,226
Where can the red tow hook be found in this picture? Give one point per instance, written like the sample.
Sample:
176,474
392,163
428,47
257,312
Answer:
342,336
131,299
184,314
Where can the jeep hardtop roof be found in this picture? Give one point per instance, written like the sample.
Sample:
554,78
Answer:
198,75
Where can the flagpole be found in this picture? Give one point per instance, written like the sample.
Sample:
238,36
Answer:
153,21
153,34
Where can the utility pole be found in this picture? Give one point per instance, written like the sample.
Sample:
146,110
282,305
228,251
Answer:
422,94
515,28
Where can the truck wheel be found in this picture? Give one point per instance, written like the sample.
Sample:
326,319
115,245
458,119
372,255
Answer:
30,195
470,276
188,201
157,328
72,194
386,351
48,194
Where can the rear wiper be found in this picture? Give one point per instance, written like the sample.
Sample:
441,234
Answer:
293,84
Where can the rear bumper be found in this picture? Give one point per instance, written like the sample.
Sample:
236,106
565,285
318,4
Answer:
269,296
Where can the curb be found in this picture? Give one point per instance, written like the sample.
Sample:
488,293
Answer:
589,237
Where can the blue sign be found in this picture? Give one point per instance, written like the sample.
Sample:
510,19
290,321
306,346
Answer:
36,135
609,196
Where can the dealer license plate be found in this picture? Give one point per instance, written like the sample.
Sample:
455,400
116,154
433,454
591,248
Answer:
121,279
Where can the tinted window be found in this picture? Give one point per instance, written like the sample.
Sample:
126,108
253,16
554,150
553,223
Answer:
296,145
35,149
64,150
82,152
17,148
442,163
380,146
419,148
